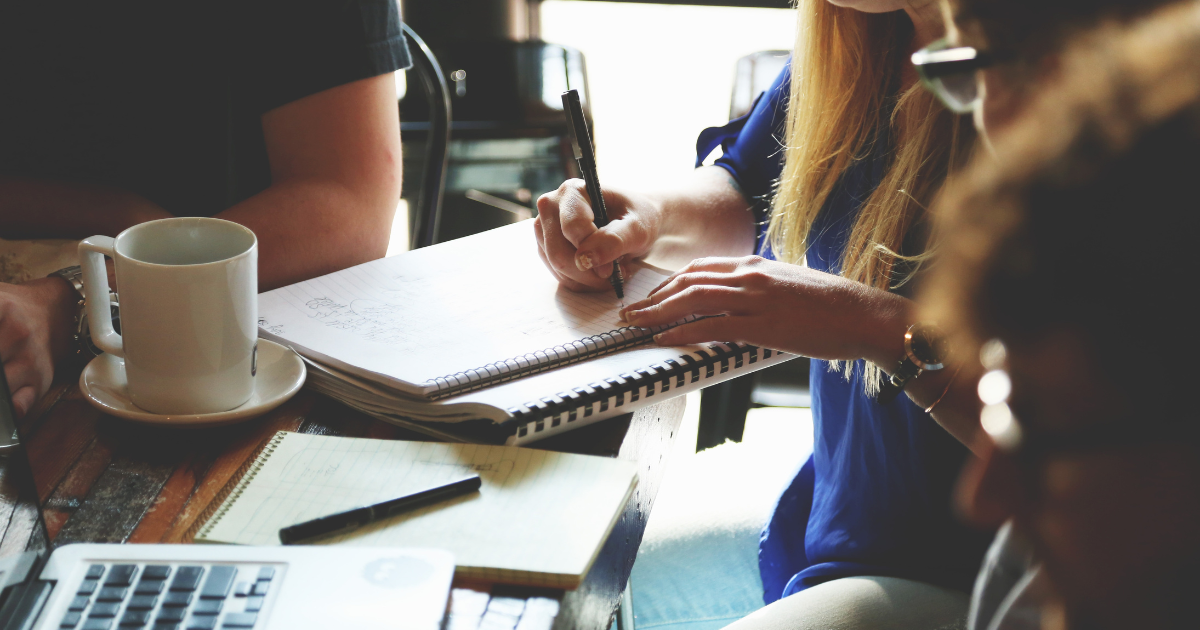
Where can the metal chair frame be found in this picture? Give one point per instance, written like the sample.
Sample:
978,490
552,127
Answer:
427,212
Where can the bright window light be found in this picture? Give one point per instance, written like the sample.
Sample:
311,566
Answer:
658,75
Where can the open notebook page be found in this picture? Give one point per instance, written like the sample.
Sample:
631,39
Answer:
539,518
409,319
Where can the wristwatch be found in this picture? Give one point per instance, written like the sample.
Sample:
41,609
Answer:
84,348
925,348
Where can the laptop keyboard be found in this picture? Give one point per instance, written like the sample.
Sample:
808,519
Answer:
169,597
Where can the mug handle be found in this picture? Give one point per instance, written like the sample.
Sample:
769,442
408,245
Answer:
92,251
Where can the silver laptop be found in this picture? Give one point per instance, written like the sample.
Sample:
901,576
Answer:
204,587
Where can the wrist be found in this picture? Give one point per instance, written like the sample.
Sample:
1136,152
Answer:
58,301
884,341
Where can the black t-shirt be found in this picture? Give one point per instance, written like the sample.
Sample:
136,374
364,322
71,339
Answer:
164,98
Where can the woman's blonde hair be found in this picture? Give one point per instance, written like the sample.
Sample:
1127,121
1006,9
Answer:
845,96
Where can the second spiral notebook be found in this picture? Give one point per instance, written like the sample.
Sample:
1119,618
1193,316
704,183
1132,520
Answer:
477,329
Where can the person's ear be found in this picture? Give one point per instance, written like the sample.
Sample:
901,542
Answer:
952,33
1049,69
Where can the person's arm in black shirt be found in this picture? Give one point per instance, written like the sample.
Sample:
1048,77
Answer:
336,173
35,208
335,169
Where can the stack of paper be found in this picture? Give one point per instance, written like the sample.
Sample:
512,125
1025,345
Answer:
458,339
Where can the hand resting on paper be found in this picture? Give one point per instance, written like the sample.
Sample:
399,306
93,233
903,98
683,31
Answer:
776,305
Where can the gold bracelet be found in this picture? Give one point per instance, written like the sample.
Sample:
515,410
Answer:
929,409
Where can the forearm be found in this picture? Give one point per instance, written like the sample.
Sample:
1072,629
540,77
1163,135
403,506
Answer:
309,228
704,215
958,411
33,208
336,174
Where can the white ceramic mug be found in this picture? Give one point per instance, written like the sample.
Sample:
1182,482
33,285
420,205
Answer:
189,311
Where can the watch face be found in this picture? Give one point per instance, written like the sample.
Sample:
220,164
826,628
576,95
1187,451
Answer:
927,346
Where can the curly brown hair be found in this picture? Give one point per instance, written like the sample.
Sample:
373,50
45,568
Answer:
1031,29
1088,218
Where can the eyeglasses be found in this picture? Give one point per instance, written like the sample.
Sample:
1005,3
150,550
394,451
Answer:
1015,439
949,72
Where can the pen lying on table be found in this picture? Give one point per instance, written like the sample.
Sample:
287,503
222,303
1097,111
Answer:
585,156
351,520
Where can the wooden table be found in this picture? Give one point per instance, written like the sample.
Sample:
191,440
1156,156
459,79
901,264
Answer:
100,479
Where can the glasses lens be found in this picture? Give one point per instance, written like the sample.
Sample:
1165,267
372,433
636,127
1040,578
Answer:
958,92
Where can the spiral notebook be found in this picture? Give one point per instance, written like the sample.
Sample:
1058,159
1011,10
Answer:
540,518
478,329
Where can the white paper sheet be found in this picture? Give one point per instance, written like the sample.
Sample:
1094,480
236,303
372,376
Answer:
539,518
409,319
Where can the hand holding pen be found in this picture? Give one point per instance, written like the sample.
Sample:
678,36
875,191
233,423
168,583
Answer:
585,157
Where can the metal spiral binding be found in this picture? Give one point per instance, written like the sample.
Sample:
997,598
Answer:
547,413
545,360
227,502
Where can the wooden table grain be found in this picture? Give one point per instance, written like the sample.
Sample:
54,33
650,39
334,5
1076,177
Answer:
101,479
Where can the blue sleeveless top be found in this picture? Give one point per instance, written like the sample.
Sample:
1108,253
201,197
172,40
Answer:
875,497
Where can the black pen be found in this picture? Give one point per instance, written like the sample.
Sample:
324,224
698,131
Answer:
585,157
353,519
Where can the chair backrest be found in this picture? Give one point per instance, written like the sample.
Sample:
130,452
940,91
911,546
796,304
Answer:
427,213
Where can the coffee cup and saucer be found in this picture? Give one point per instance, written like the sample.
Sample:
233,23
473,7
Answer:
188,353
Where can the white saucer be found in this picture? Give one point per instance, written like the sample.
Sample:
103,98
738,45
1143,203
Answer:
280,375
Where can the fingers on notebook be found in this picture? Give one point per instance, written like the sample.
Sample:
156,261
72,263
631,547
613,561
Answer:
700,300
703,331
709,266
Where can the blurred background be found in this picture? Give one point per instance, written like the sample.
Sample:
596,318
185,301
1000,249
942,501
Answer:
653,76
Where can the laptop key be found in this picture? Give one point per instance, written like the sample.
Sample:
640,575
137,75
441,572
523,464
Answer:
149,587
208,607
95,623
70,620
266,573
254,604
143,602
260,587
121,575
205,622
174,615
135,618
156,572
242,589
79,603
112,594
177,599
239,620
95,572
105,609
220,579
166,625
87,587
187,578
